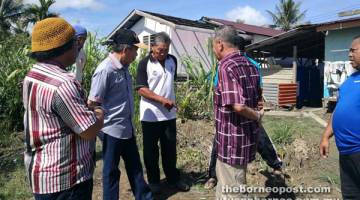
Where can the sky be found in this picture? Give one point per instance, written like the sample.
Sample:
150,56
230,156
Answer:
102,16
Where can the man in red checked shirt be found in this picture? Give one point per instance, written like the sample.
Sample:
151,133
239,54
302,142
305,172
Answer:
236,100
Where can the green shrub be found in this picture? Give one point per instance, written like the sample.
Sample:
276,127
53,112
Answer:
14,63
282,134
195,96
95,53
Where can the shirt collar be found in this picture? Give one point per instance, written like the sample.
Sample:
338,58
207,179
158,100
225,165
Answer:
54,64
230,55
116,62
153,60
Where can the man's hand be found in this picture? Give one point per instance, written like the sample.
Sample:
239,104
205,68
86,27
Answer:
324,143
168,104
324,147
261,114
99,113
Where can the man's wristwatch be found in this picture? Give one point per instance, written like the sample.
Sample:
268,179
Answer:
99,107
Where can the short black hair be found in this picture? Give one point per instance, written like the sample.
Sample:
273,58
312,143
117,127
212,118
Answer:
52,53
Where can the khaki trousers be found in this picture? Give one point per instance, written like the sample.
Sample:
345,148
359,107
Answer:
230,178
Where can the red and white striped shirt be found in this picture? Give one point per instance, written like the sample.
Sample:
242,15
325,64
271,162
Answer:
56,157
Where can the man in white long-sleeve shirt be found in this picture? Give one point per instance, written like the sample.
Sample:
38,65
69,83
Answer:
78,67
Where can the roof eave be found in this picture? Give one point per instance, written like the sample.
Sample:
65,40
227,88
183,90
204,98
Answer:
190,28
139,13
279,36
338,25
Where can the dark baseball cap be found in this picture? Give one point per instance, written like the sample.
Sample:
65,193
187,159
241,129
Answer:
126,36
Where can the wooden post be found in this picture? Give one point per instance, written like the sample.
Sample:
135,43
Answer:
294,63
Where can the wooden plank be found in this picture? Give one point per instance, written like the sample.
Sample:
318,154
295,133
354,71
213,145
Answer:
287,98
287,84
287,102
287,89
288,95
271,90
271,94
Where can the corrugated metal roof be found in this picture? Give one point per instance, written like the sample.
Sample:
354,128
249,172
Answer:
338,21
309,42
184,22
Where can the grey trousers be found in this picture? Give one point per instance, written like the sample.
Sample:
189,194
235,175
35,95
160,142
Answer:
229,179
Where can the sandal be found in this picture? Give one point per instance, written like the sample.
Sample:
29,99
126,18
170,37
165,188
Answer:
211,183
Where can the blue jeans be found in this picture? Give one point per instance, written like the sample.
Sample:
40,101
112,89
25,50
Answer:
81,191
113,148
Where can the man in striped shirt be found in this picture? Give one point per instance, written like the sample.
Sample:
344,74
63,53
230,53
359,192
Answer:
236,118
60,129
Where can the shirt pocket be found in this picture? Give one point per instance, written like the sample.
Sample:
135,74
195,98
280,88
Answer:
118,86
156,75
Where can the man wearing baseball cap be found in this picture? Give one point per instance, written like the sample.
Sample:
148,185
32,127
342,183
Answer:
111,88
59,127
78,67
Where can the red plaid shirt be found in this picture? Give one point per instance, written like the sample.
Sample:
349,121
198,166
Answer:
236,136
56,157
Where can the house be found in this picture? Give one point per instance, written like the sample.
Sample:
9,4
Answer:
320,58
190,38
338,38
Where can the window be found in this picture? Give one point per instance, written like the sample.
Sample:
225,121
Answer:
146,39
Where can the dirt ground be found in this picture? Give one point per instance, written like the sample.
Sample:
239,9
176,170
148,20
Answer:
302,164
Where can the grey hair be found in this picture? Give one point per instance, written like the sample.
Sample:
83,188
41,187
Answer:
356,37
230,36
161,37
120,47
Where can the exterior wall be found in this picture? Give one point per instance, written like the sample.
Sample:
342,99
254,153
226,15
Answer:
191,43
336,65
337,43
146,26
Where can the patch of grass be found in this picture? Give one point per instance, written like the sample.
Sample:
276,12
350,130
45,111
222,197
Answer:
282,129
13,181
282,134
191,158
331,178
14,186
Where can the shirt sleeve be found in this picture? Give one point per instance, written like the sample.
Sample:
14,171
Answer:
99,86
231,89
141,76
175,61
69,103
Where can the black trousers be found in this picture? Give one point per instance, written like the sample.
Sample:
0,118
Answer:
350,176
264,147
165,132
